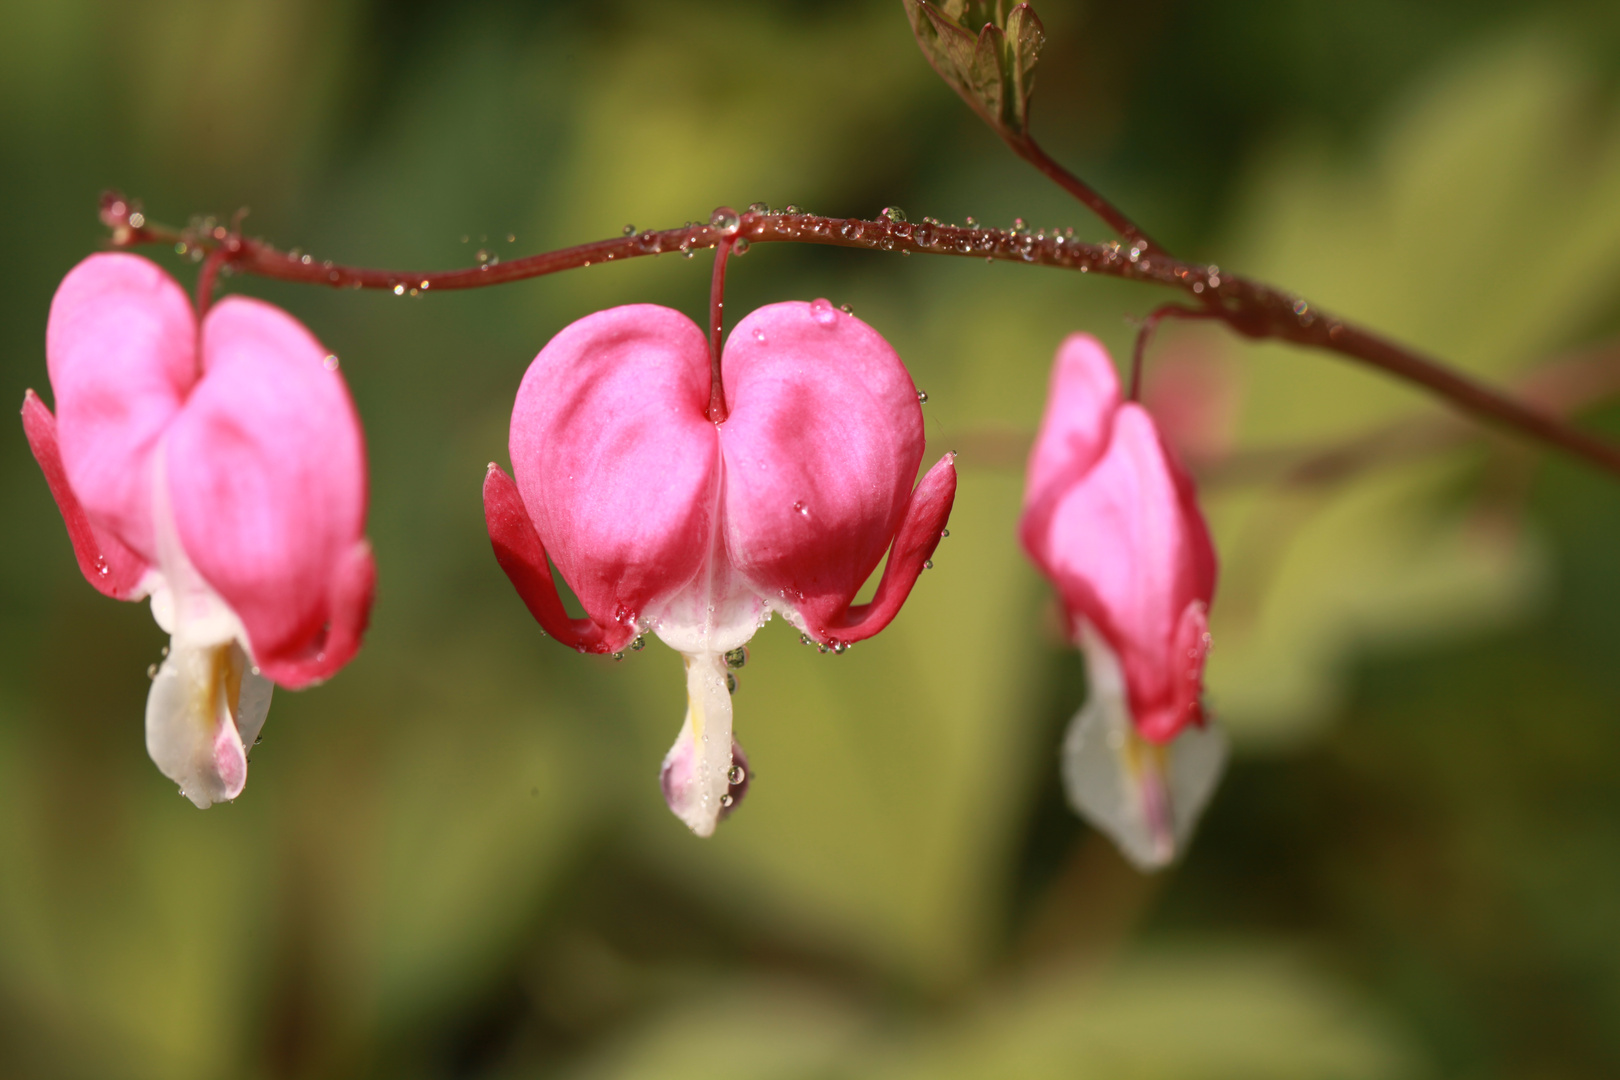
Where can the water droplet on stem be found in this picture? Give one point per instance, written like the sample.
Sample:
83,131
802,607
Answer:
725,219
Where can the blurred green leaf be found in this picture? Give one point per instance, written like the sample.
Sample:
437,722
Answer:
1433,241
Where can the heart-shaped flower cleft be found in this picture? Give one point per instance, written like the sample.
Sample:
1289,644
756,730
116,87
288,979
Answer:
664,521
1113,522
218,468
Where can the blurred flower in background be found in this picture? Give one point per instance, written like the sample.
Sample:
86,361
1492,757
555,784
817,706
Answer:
451,863
1113,522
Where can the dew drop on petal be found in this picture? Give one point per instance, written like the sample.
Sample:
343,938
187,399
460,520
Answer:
822,311
731,683
736,775
726,800
922,397
330,363
801,509
737,657
928,564
846,309
893,213
759,335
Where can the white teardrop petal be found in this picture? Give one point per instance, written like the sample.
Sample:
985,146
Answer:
1146,797
190,733
253,699
696,770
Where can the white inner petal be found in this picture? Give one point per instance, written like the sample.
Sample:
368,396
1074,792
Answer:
714,613
208,701
1146,797
697,768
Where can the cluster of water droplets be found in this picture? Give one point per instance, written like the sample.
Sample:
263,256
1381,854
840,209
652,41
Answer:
831,645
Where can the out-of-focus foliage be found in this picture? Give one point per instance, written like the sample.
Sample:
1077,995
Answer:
1503,145
453,859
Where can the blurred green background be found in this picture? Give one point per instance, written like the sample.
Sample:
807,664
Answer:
453,860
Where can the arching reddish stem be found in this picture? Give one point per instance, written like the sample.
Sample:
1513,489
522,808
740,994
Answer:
1251,308
717,323
1149,325
208,277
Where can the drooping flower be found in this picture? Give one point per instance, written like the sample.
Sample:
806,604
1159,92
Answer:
664,521
219,469
1111,519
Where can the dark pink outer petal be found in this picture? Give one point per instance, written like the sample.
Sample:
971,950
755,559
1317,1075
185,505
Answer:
914,545
121,348
521,554
103,559
267,476
822,445
1075,428
1128,549
616,461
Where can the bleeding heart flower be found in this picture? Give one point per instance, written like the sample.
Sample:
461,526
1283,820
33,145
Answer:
219,469
1113,522
662,520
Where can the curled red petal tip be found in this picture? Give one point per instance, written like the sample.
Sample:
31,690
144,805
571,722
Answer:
914,544
106,563
521,554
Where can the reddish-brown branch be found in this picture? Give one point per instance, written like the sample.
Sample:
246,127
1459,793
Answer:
1251,308
1028,149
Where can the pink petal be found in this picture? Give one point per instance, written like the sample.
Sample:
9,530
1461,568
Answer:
267,476
1129,550
353,583
121,348
229,761
1074,432
106,563
821,448
521,554
617,463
